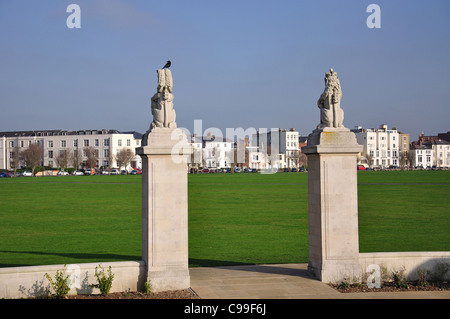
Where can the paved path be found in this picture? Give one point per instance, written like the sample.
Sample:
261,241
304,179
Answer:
285,281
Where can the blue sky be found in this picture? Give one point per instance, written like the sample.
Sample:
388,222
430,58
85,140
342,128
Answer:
235,64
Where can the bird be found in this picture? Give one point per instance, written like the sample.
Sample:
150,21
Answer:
167,65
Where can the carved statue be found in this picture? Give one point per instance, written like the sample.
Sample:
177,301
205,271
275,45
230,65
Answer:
162,102
331,114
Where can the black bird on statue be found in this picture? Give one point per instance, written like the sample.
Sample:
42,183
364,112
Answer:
167,65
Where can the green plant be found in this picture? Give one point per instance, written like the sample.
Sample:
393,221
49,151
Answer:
399,279
344,284
148,287
422,276
60,285
104,280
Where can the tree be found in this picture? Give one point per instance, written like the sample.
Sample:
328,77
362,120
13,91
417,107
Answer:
92,156
411,156
32,156
75,158
16,158
124,157
62,159
369,159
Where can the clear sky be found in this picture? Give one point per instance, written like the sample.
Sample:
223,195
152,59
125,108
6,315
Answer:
246,63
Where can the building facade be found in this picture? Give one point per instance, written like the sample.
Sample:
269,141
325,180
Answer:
280,148
380,146
106,145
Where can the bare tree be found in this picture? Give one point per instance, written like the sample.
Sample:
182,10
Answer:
369,159
75,158
92,156
16,158
124,157
411,157
62,159
32,156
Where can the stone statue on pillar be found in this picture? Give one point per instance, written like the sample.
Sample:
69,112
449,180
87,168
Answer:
329,103
164,151
162,102
332,152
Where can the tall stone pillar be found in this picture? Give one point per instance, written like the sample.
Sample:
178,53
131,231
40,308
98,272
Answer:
164,155
332,153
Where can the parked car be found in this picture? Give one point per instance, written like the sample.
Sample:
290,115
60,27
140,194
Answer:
361,168
294,169
79,173
134,172
3,174
286,170
237,169
26,173
61,173
123,172
205,170
115,171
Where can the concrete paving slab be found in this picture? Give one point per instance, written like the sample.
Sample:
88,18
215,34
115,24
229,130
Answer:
280,281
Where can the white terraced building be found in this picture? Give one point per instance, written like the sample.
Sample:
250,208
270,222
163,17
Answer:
380,145
107,144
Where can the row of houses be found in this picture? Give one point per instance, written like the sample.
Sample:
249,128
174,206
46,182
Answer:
277,148
106,145
384,147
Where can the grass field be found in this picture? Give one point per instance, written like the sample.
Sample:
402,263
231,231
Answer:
233,218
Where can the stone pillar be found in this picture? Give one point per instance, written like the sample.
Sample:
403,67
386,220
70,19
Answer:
164,153
333,204
165,209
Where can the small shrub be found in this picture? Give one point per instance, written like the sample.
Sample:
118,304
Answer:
104,280
148,287
399,279
60,285
422,276
344,285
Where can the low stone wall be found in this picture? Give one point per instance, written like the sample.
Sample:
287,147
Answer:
434,263
26,282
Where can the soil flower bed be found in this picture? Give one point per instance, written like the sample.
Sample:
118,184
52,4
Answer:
171,294
392,287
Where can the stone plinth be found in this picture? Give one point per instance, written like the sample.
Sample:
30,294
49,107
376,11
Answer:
333,204
165,208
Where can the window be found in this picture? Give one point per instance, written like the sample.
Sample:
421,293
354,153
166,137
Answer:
96,142
106,142
63,143
119,142
50,144
106,153
50,154
75,143
128,143
11,144
86,143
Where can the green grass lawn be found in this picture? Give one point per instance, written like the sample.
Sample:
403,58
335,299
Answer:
233,218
